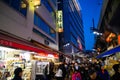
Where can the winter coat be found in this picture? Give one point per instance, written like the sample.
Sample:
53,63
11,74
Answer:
17,78
104,75
76,76
116,76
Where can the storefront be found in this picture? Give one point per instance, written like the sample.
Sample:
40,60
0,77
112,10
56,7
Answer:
20,53
12,58
112,56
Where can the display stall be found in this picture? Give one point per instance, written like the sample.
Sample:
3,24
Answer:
42,65
112,56
110,61
13,58
15,52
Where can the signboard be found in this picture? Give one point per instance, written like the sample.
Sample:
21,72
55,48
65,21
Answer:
34,2
59,21
37,2
20,46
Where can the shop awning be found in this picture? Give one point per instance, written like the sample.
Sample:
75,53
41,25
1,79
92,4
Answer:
109,52
13,42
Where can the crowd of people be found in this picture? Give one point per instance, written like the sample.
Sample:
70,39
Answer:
86,71
75,71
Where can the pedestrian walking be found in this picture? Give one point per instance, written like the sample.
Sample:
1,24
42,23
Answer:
103,73
76,75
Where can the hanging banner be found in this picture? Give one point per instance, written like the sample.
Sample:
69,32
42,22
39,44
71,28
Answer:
59,21
79,43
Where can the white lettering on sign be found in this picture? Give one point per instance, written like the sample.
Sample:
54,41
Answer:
6,43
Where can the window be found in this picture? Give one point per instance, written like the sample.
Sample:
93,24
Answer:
41,34
41,24
17,5
52,33
47,5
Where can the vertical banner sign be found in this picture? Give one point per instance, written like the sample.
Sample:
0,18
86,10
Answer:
119,39
59,21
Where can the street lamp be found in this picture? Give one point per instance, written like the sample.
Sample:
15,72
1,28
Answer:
67,44
95,30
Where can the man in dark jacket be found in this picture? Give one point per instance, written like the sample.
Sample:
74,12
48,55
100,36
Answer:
93,75
103,73
18,74
116,68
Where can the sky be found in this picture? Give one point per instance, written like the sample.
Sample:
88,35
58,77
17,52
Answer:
90,10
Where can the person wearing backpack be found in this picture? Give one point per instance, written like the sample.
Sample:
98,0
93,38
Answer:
76,75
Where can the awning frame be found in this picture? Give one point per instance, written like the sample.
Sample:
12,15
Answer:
109,52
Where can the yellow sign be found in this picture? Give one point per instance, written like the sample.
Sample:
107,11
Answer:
59,21
37,2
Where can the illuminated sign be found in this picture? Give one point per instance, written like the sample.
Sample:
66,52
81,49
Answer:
34,3
37,2
59,21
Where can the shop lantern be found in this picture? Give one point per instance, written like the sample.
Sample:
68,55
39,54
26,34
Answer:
23,4
119,39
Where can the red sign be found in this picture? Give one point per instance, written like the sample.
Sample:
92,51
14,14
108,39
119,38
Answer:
19,46
42,52
6,43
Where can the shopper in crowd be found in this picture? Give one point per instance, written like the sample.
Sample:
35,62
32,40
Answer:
51,72
103,73
59,73
82,70
116,68
18,74
71,71
67,67
76,75
76,66
63,70
93,75
86,75
46,73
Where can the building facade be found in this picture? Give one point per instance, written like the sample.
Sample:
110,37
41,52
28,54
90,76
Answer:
72,38
109,25
22,20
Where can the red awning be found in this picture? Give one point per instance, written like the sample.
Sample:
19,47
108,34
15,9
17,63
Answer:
12,42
